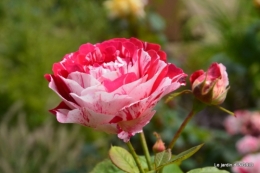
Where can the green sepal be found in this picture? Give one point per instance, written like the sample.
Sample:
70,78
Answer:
225,110
173,95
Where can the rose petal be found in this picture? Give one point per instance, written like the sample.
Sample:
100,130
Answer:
195,76
103,102
83,79
86,117
130,128
60,91
122,80
86,48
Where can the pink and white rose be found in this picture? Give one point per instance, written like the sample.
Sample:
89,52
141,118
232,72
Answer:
248,164
210,87
245,122
248,144
235,124
113,86
232,125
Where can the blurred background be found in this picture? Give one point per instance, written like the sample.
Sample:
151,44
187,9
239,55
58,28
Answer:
35,34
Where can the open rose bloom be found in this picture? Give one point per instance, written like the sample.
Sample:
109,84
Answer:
210,87
113,86
248,144
245,122
249,164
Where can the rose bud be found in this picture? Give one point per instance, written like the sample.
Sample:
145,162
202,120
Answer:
210,87
113,86
159,144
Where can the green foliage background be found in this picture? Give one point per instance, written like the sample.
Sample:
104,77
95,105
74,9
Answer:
35,34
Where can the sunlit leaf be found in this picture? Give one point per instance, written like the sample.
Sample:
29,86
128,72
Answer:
123,159
162,157
172,168
207,170
153,171
143,162
106,166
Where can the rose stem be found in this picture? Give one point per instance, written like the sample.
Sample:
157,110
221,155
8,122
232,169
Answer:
197,106
137,161
146,151
178,133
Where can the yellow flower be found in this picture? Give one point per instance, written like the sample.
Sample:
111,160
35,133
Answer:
257,3
125,8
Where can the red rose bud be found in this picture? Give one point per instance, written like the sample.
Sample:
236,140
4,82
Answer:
159,144
210,87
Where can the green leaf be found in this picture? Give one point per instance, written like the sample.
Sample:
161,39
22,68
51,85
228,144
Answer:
106,166
153,171
143,162
182,156
162,157
186,154
207,170
172,168
123,159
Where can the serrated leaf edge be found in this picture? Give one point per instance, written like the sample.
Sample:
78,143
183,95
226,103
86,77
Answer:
179,157
164,154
